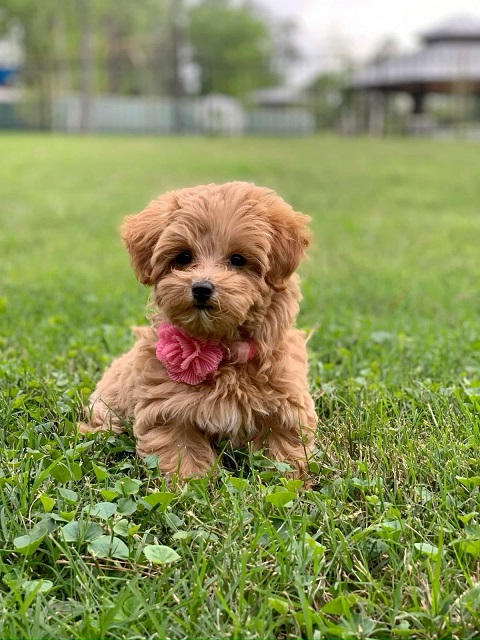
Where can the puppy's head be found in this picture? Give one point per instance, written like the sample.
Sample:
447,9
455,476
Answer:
215,254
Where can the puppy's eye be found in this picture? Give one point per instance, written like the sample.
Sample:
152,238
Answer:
183,258
237,260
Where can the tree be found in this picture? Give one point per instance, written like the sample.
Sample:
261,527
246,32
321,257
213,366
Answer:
232,46
144,47
39,28
86,67
122,42
132,46
286,52
327,93
388,48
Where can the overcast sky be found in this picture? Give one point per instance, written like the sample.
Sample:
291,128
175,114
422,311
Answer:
359,26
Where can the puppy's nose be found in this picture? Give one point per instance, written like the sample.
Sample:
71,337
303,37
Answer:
202,291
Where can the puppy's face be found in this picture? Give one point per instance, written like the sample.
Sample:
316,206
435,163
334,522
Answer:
215,255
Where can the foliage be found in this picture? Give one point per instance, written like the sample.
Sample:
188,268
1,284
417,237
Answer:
328,98
232,46
123,35
93,543
39,29
126,35
145,47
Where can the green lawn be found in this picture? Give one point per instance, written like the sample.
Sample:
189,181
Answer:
387,543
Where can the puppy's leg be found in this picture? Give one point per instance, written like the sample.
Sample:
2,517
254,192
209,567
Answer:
289,436
100,417
180,448
112,402
292,446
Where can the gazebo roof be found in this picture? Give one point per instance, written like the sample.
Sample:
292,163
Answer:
451,55
459,28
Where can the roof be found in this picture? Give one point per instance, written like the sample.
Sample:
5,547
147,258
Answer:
462,27
446,63
451,54
277,96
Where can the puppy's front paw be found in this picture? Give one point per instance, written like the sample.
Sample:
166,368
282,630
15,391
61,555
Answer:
84,428
292,448
181,450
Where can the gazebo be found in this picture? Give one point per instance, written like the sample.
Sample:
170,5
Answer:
448,62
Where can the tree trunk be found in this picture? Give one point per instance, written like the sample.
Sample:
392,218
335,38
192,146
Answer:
176,88
114,63
86,69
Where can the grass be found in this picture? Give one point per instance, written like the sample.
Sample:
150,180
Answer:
94,544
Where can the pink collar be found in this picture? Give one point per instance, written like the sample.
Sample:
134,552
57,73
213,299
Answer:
191,360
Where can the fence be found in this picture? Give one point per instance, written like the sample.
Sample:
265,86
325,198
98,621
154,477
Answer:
215,114
435,92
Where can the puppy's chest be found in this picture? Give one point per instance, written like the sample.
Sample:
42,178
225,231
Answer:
232,412
231,406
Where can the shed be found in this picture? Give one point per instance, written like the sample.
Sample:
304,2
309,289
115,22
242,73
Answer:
280,110
221,114
278,97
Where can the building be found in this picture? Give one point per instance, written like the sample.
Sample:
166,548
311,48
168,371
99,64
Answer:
280,111
448,63
10,61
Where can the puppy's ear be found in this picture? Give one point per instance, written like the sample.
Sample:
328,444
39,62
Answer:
142,231
291,237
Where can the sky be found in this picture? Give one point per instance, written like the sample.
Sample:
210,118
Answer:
357,27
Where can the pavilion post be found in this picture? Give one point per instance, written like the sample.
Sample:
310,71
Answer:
376,114
418,102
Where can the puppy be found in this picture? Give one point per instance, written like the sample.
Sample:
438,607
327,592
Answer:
221,359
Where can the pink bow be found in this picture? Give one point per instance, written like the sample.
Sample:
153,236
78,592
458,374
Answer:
191,360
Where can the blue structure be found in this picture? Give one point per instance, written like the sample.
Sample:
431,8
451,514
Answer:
7,75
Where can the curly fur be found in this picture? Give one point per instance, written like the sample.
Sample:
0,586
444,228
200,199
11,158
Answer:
264,401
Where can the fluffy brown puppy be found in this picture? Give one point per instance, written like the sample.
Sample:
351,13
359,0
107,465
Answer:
221,359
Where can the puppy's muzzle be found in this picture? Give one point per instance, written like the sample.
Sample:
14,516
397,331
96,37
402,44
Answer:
202,292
